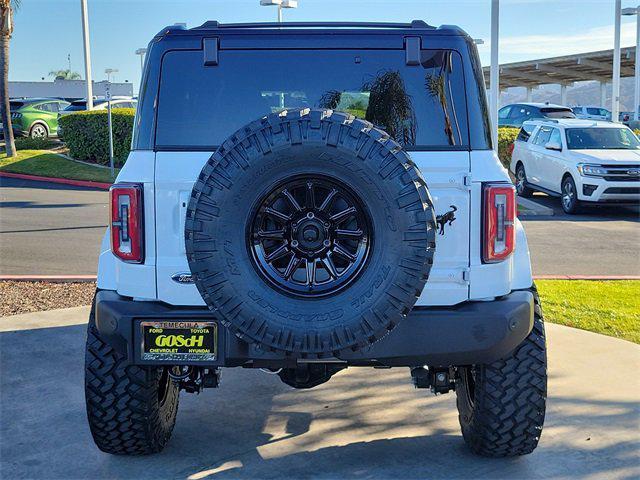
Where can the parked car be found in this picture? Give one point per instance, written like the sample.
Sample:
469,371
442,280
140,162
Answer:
35,117
303,244
625,117
592,113
99,103
580,161
514,115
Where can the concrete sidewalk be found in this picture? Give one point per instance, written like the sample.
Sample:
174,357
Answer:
364,423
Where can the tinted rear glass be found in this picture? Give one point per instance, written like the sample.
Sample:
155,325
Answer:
15,105
420,106
558,112
79,105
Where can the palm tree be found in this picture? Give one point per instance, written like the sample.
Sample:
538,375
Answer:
6,29
64,75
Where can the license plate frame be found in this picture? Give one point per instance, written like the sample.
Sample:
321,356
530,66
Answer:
182,341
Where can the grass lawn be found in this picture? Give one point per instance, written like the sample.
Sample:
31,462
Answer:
47,164
608,307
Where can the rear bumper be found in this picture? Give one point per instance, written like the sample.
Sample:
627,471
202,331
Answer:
469,333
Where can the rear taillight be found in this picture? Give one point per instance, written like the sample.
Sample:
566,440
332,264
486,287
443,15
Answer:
127,234
499,207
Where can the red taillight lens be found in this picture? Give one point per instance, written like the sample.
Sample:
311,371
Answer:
127,234
499,206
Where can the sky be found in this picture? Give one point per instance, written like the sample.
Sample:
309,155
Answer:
48,31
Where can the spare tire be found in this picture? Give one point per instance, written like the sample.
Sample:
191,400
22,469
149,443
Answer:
310,232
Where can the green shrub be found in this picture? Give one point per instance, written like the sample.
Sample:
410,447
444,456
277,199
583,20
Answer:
34,143
87,135
506,137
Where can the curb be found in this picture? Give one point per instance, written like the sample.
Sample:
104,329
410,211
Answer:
48,278
533,208
92,278
586,277
65,181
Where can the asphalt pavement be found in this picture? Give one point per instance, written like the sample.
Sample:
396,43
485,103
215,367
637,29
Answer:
48,229
602,240
363,423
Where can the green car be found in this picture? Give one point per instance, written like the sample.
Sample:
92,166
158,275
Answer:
36,117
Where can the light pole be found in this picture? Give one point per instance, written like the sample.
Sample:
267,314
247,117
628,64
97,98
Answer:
615,90
109,71
494,74
280,4
142,52
87,53
636,96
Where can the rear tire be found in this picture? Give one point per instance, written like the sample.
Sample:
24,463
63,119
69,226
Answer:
521,182
501,405
39,130
131,410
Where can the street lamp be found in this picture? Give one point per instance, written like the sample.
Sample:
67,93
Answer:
142,52
280,4
109,71
87,53
615,83
636,96
494,72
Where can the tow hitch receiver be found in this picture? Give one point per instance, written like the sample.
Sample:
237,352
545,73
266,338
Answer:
439,380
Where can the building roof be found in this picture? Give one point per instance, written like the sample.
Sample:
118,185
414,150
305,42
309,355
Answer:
565,70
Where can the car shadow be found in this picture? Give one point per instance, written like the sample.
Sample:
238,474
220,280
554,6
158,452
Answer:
364,423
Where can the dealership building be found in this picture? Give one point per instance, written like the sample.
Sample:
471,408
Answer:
67,89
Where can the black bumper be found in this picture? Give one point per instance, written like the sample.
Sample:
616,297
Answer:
469,333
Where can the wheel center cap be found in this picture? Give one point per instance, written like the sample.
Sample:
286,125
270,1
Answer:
310,235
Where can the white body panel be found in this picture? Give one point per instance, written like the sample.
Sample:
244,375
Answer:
454,178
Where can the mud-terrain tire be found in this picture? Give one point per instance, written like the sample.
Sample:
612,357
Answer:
131,410
327,148
501,405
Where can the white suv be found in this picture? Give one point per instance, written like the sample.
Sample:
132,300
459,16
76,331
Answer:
577,160
327,210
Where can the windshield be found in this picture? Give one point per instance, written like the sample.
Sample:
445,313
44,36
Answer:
601,139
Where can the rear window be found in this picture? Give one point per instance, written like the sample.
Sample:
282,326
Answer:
422,106
15,105
557,112
75,106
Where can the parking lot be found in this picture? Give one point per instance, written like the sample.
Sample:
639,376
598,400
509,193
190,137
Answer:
364,423
62,231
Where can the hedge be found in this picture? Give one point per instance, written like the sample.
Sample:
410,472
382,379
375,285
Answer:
506,137
87,135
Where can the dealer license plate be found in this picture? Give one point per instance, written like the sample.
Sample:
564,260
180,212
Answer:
185,341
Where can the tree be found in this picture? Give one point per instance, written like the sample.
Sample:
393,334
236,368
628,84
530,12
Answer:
64,75
6,29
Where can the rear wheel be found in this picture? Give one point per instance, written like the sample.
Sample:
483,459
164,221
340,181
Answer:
569,196
501,405
131,409
39,131
521,182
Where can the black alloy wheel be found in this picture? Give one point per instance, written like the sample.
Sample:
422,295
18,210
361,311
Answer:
310,236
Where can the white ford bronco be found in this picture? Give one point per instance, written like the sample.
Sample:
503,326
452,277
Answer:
303,198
